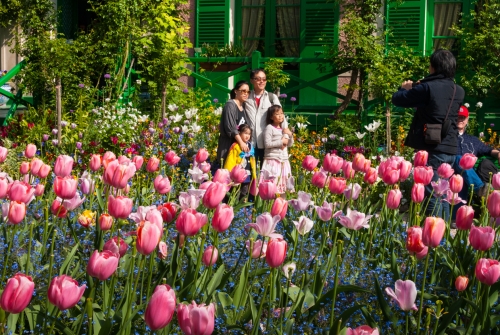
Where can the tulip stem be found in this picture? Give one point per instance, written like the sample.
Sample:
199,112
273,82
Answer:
421,307
6,255
335,283
141,264
179,261
283,310
271,301
257,317
150,276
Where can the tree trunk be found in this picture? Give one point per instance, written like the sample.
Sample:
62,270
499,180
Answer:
58,109
388,127
163,101
361,93
349,94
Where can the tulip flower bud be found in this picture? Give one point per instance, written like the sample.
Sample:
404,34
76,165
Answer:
210,256
105,221
30,151
17,293
64,292
461,283
160,307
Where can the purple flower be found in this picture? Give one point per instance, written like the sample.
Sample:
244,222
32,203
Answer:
405,295
283,96
81,85
151,130
185,90
176,130
160,125
352,191
64,123
492,125
325,212
265,225
45,137
216,100
440,187
302,202
80,135
71,111
55,143
293,99
78,145
355,220
54,131
107,76
73,126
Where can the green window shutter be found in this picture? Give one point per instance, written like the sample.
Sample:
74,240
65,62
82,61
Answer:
212,22
406,22
319,26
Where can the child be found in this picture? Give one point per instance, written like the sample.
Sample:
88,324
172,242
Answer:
276,141
246,160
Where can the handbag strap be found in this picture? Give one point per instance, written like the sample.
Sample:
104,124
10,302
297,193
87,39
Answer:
451,102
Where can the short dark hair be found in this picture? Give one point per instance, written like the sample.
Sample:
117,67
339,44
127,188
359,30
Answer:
232,94
243,127
270,112
444,63
255,71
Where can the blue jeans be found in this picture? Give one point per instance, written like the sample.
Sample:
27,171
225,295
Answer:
470,178
437,206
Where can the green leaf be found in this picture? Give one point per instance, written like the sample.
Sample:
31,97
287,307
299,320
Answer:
227,307
240,294
215,281
309,301
69,258
386,309
445,321
99,198
344,317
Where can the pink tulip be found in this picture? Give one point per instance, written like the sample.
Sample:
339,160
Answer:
64,292
138,161
355,220
405,295
162,184
464,217
362,330
222,176
118,175
30,151
168,211
201,155
404,170
304,225
456,183
103,264
495,181
332,163
267,190
95,162
58,209
4,187
388,173
39,190
319,178
467,161
493,204
445,171
3,154
44,171
119,207
347,170
461,283
422,254
393,199
17,293
16,211
124,160
417,193
171,158
265,225
280,207
303,201
370,176
423,174
148,236
63,166
352,191
161,307
65,187
112,245
107,158
105,221
259,249
210,256
276,252
481,238
204,167
358,162
487,271
414,243
196,319
189,222
24,168
433,231
153,164
223,216
20,191
214,195
309,163
324,212
162,250
421,158
337,185
35,166
238,174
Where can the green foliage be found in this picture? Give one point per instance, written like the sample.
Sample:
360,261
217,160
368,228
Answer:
274,73
480,54
228,50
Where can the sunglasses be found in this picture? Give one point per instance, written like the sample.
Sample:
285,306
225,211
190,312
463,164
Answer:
260,79
244,92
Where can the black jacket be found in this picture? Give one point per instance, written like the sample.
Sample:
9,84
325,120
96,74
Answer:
431,98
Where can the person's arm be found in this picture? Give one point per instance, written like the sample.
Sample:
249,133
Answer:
268,139
290,139
496,154
230,122
417,96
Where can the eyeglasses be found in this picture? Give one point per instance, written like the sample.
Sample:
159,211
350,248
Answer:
260,79
244,92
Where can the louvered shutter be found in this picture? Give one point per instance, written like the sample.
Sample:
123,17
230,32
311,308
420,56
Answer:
319,20
212,22
406,22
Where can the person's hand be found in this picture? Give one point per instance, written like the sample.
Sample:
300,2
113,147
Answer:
244,147
287,131
407,84
285,142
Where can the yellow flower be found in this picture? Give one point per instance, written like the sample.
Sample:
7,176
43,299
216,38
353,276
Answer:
87,218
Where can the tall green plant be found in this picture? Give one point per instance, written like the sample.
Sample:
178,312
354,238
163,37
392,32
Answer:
275,75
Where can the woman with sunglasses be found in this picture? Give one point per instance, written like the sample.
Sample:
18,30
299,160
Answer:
257,105
233,115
